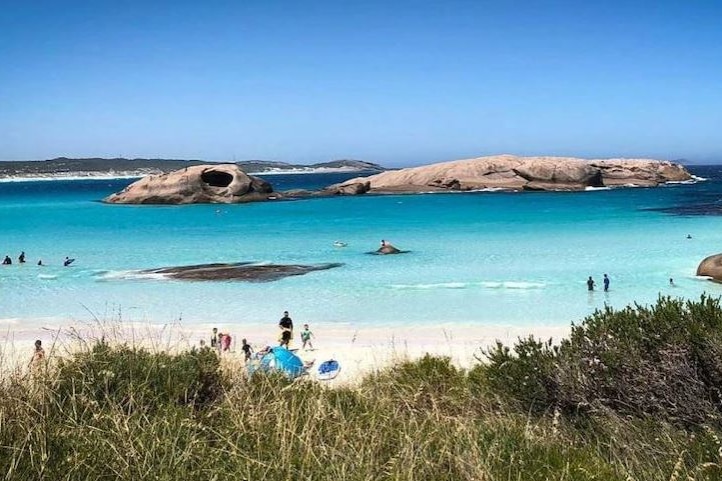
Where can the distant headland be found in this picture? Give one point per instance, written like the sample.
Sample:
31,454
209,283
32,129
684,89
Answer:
63,167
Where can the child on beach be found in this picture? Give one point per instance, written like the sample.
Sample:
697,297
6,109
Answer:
38,354
247,350
306,336
225,340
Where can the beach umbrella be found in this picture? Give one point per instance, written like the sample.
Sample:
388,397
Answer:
282,360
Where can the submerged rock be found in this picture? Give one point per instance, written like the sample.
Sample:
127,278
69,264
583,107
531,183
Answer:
222,183
519,173
711,267
238,271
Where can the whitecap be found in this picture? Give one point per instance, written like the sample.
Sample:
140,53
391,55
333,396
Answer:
440,285
523,285
47,276
130,275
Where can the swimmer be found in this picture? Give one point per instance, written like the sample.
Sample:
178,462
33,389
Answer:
689,236
671,281
339,244
68,261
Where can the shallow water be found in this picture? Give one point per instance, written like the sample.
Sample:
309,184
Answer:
483,258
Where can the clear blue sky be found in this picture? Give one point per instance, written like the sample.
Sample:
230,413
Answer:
392,82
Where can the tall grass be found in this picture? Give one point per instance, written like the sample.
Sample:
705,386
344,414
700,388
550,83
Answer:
126,413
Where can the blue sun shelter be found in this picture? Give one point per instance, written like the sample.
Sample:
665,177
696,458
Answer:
282,360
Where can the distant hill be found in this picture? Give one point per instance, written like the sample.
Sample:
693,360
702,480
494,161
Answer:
65,167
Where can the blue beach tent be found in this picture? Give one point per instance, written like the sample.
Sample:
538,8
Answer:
282,360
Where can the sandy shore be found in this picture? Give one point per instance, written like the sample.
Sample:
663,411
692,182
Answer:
359,350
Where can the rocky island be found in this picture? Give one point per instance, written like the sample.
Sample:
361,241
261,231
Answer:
509,172
228,183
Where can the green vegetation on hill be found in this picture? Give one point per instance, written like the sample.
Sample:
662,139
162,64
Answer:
631,395
98,166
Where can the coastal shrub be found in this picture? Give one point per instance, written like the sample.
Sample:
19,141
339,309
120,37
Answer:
270,428
135,378
431,381
660,360
524,375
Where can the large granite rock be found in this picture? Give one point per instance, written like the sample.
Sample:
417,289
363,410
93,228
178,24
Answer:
521,173
711,267
238,271
222,183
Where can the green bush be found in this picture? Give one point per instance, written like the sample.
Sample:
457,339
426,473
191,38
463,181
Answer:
525,376
135,378
662,360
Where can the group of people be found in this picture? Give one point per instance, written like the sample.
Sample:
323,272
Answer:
221,341
21,260
286,326
591,283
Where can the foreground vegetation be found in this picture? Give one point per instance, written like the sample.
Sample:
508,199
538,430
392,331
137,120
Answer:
631,395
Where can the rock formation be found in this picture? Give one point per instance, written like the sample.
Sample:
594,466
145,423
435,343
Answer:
239,271
519,173
222,184
711,267
227,183
388,249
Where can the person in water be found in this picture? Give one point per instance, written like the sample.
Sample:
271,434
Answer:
606,283
671,281
40,262
590,284
21,257
7,261
67,261
286,326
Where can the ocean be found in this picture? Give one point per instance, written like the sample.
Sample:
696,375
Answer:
484,258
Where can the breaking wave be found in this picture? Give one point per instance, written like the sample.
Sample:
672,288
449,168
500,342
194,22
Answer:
467,285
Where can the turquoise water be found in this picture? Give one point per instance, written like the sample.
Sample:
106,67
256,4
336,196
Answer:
484,258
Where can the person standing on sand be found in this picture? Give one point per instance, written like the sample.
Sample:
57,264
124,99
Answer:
38,354
247,350
214,338
286,326
306,336
606,283
590,284
225,342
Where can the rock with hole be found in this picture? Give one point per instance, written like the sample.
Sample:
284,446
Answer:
200,184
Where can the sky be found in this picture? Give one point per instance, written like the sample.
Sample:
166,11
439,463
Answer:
393,82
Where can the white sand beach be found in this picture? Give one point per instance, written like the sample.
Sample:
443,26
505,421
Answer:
359,350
